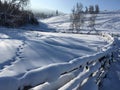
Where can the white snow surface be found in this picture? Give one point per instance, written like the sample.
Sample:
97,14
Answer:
23,51
33,49
27,55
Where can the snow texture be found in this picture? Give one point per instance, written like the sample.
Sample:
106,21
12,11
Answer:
30,58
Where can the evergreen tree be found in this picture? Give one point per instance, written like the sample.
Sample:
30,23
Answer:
57,13
91,9
97,10
86,10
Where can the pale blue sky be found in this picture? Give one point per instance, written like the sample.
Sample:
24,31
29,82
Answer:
66,5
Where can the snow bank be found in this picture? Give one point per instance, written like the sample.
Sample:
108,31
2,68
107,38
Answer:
62,80
51,73
90,85
9,83
74,84
45,74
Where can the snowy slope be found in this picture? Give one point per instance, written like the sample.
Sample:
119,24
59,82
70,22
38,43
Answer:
27,50
104,22
24,52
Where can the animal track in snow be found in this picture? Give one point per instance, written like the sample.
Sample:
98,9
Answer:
18,56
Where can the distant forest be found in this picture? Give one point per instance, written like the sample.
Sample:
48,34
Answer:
46,14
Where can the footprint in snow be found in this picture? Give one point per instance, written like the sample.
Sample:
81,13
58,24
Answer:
18,56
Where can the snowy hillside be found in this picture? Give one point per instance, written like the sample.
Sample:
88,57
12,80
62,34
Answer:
30,57
26,50
104,22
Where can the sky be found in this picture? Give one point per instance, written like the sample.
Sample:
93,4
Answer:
66,5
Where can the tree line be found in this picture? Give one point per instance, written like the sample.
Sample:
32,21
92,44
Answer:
92,9
13,13
78,17
48,14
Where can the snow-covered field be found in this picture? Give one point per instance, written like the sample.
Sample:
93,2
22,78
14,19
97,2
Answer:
28,51
22,50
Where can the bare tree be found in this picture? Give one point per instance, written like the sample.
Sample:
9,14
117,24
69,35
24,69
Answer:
77,17
72,19
91,23
80,16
